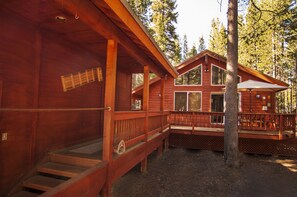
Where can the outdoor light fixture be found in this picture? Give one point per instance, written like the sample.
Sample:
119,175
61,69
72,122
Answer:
61,18
206,68
258,96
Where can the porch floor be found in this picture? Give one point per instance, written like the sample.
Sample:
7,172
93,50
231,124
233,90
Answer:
242,133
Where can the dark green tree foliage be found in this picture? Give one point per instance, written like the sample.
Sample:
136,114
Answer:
268,43
192,52
201,44
142,9
185,48
218,37
177,53
164,18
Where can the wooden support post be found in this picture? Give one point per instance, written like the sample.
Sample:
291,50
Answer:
160,149
143,166
108,129
281,127
146,98
166,144
145,108
192,122
162,102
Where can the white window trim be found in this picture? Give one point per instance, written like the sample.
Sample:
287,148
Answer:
222,69
187,99
189,71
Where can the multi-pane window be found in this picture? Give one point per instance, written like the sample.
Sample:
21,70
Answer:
187,101
218,76
192,77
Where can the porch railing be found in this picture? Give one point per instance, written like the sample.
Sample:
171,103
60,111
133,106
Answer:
130,126
246,121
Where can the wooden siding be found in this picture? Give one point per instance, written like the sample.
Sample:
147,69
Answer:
123,94
207,89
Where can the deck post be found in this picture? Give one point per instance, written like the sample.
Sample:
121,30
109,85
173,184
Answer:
108,129
281,127
145,109
162,92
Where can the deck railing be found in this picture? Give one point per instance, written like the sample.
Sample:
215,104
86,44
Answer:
131,126
246,121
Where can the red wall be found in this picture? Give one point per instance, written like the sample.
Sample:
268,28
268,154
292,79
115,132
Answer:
31,65
207,89
123,91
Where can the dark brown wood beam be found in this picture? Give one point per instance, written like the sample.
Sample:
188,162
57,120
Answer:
93,17
108,129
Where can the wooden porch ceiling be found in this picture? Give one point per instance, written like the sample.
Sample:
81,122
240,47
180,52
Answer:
78,29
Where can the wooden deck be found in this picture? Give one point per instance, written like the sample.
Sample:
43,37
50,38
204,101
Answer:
207,131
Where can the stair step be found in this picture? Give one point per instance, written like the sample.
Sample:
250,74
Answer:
42,183
72,160
25,194
61,169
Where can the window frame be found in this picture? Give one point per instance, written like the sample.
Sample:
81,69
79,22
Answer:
187,104
189,71
211,74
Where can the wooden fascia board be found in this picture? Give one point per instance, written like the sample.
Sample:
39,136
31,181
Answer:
120,9
100,23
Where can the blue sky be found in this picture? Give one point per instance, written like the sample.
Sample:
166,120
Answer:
195,18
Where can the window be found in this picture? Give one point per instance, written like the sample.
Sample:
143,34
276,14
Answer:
187,101
218,76
192,77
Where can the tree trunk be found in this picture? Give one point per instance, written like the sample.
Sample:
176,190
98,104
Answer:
231,125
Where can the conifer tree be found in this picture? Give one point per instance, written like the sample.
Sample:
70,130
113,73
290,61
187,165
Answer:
164,18
201,44
177,53
141,8
218,37
192,52
185,48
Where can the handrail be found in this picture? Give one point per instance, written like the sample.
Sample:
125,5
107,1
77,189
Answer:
246,121
52,109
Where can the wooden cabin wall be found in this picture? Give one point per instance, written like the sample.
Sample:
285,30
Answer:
207,89
31,65
123,91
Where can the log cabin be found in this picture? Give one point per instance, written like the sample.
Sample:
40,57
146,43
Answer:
196,99
65,96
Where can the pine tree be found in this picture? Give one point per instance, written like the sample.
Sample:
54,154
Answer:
177,53
231,120
218,37
201,44
185,48
192,52
265,42
164,18
142,9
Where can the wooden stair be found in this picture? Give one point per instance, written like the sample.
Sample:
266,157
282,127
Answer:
59,169
42,183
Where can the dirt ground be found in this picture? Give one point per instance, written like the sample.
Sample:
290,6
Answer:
181,172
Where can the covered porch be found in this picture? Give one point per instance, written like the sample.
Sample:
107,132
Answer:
66,81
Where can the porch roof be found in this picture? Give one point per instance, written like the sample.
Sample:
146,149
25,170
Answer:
91,23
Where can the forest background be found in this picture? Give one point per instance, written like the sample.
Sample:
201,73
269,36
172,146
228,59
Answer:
267,39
